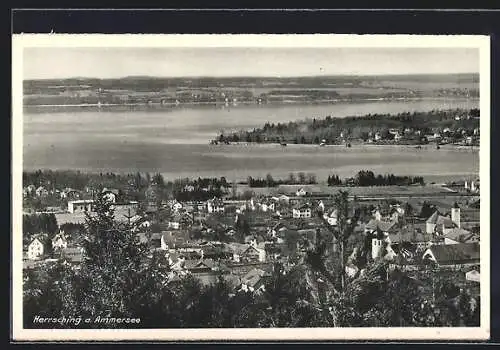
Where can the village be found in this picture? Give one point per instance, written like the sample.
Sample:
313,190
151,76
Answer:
241,239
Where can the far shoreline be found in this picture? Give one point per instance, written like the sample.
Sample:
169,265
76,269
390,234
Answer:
112,107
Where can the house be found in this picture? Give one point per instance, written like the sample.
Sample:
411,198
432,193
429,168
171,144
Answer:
254,253
254,281
452,254
302,211
301,192
36,249
267,205
419,240
331,216
276,229
70,193
80,206
110,195
237,250
176,239
175,222
188,188
176,206
215,205
282,199
156,241
177,262
459,235
139,222
41,192
59,241
388,214
379,232
29,190
473,275
73,255
438,223
202,265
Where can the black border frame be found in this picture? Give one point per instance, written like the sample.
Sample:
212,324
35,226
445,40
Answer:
286,21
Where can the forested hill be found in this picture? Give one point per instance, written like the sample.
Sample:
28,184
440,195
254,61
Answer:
454,124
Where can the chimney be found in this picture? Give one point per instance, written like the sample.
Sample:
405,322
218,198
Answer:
455,214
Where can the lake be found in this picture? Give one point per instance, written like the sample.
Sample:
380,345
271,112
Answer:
175,142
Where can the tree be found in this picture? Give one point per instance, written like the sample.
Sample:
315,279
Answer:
302,178
158,180
427,210
346,222
116,273
269,180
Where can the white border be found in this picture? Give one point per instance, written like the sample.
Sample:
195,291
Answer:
19,42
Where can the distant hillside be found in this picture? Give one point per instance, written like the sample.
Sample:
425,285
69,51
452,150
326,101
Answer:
212,90
304,82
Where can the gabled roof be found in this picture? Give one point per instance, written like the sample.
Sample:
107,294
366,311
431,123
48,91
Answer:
73,254
405,235
455,253
252,248
254,277
236,248
156,235
457,234
433,218
303,206
379,225
199,264
59,235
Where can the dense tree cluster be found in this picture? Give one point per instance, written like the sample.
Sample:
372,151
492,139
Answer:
34,224
332,130
368,178
334,180
269,181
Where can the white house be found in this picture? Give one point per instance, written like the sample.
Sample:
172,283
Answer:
109,197
439,223
301,192
41,192
59,241
254,253
175,222
215,206
81,205
302,211
70,193
36,249
267,205
331,216
283,198
473,275
29,190
176,206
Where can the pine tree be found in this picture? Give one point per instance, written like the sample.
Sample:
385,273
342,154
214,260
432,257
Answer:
115,271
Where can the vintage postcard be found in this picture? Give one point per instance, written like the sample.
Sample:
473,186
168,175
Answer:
250,187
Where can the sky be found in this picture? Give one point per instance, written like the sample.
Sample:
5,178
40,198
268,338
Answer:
59,63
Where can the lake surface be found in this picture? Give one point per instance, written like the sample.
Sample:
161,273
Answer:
175,142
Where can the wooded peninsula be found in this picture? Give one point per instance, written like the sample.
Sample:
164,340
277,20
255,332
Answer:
446,126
